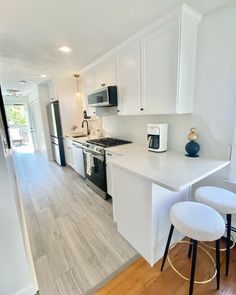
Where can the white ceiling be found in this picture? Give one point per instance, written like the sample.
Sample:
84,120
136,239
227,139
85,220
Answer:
32,30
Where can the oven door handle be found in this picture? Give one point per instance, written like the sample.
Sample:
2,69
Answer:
101,158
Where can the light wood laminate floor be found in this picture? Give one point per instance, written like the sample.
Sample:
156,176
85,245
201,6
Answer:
74,241
141,279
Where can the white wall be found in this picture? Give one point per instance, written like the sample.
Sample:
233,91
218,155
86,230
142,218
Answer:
37,116
43,102
215,93
38,101
71,108
12,99
15,275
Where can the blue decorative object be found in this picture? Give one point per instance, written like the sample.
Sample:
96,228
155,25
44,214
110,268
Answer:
192,147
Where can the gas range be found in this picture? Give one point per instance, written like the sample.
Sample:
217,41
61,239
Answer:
98,145
95,162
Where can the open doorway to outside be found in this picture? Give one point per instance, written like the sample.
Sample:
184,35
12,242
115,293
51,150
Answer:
19,128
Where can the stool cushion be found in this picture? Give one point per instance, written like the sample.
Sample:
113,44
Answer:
218,198
197,221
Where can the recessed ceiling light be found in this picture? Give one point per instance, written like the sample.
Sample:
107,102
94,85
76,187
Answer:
65,49
43,76
22,82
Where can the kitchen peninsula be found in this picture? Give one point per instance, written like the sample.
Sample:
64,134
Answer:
144,187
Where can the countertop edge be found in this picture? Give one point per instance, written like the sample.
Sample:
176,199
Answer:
171,188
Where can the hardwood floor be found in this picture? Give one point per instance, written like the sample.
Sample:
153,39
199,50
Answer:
74,241
140,279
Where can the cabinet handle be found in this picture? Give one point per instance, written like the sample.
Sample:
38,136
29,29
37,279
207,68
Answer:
103,84
118,111
141,109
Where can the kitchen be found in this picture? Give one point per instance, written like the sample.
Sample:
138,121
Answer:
126,148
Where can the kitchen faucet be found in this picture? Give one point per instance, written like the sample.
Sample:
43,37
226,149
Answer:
88,130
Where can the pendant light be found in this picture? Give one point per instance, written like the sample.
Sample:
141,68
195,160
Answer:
77,94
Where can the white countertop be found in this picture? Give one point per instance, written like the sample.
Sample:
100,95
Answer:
82,139
170,169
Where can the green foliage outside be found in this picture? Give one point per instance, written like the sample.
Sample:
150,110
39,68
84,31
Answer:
16,116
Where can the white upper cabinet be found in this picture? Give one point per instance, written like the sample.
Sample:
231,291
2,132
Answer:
52,90
98,76
101,75
155,68
61,88
168,67
159,70
128,80
89,82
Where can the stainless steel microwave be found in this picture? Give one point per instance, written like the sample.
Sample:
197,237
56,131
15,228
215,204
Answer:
104,97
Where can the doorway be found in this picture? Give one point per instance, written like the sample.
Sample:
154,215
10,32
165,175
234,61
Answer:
19,128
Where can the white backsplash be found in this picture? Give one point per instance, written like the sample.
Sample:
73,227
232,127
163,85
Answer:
134,128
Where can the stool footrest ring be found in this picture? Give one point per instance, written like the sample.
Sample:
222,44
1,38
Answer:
186,278
222,249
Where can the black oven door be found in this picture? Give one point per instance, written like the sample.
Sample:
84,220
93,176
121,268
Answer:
95,172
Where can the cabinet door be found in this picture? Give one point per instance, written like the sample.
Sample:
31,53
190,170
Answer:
78,159
159,52
109,157
89,81
108,173
128,80
68,152
111,78
52,90
99,76
105,74
68,155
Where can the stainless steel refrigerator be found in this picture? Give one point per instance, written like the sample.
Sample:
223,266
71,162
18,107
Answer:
56,133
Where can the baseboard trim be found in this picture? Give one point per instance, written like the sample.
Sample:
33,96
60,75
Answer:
30,290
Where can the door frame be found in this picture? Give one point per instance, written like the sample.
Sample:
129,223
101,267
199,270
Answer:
28,118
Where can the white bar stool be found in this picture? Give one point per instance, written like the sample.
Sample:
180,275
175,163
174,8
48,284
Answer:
222,201
200,223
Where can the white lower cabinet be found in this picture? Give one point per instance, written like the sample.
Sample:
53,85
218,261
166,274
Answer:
108,172
78,158
74,156
68,152
109,157
142,212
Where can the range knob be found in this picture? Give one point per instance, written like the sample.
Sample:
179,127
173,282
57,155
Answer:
98,149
